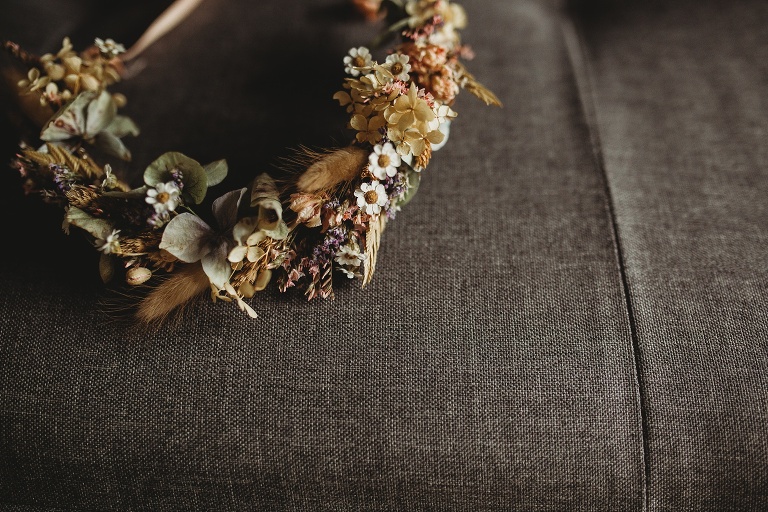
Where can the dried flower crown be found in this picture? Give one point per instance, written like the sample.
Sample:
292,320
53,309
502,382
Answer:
329,219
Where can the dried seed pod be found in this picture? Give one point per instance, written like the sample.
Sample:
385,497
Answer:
138,276
265,276
247,290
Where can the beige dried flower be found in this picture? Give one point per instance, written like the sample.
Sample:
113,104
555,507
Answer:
368,130
409,110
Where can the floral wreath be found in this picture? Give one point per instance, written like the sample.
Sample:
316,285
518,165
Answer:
328,219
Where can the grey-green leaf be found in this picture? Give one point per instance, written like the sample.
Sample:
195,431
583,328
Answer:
414,179
193,175
69,121
99,228
101,112
187,237
112,146
137,193
216,172
122,126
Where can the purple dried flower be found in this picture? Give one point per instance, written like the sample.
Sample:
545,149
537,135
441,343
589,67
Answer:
63,177
159,219
178,178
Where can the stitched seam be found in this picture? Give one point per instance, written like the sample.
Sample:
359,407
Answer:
577,56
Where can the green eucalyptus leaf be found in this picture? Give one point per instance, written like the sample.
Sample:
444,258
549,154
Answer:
113,146
187,237
193,175
122,126
99,228
414,179
106,268
216,172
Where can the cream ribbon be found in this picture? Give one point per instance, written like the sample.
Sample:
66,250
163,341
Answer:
167,21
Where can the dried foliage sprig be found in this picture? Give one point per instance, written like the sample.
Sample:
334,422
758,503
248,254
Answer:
329,220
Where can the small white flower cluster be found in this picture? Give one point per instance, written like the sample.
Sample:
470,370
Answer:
386,106
109,47
453,15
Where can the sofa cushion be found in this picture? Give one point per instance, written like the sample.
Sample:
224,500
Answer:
489,366
679,91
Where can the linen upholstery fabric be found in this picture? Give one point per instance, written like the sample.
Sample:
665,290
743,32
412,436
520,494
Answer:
488,367
680,96
491,364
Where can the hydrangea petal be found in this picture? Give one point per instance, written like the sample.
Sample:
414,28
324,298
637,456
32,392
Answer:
216,266
225,208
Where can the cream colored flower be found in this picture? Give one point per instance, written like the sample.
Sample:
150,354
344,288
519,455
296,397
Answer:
349,255
375,81
417,140
401,145
371,197
78,77
249,250
399,66
408,110
384,161
382,75
358,61
444,113
164,197
369,130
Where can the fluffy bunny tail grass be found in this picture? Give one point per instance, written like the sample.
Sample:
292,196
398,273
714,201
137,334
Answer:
332,168
174,293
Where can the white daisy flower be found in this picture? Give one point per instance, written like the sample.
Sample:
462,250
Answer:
371,197
349,255
399,66
358,60
164,197
112,243
384,161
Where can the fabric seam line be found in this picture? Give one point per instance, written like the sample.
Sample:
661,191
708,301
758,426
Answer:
577,55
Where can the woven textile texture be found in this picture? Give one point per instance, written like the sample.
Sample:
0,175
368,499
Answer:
568,316
681,95
489,366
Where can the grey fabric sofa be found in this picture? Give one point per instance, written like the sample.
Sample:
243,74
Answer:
571,315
